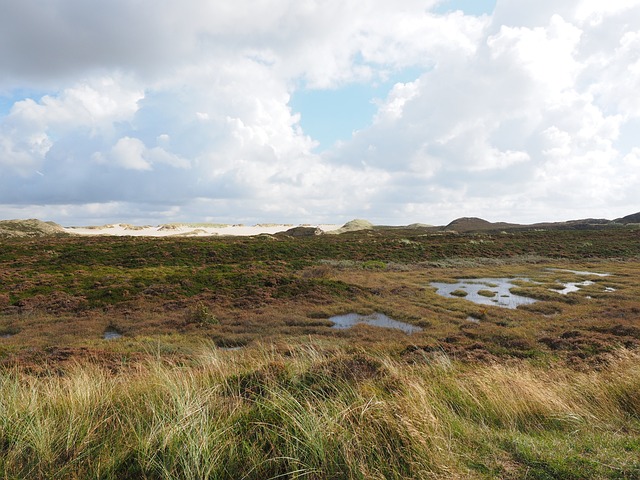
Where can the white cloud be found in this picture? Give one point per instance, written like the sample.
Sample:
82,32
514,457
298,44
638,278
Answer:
526,120
23,152
393,107
132,154
128,153
32,128
183,109
543,54
595,12
91,104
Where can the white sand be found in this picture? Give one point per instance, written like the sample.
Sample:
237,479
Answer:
199,230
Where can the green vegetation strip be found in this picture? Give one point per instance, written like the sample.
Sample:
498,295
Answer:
110,270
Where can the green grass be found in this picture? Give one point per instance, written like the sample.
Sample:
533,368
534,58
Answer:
312,412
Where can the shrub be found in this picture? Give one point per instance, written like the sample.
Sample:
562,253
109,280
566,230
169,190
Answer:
200,314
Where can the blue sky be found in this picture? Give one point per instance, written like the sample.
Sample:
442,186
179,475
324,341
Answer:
469,7
6,102
319,111
331,115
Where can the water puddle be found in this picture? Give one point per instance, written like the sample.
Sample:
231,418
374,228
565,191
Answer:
497,291
579,272
375,319
485,291
111,334
6,335
572,287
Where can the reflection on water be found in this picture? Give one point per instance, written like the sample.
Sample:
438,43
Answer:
579,272
111,335
497,291
375,319
500,287
573,287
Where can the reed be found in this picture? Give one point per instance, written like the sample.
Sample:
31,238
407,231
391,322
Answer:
313,412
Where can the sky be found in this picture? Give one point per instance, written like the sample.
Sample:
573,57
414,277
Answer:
319,111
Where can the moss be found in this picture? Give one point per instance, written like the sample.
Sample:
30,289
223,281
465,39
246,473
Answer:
487,293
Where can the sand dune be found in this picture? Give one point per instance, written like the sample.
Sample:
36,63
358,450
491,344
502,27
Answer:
187,229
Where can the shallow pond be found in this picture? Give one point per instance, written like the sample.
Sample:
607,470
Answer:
484,291
375,319
497,291
111,335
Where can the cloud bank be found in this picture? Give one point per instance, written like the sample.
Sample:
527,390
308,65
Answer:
154,111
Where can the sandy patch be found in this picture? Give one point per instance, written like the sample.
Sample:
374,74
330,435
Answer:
196,230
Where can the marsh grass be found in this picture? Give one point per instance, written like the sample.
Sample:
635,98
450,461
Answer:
459,293
549,390
67,291
487,293
311,412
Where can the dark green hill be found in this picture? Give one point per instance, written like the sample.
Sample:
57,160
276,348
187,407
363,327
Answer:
633,218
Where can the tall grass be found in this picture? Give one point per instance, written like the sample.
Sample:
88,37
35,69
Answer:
314,413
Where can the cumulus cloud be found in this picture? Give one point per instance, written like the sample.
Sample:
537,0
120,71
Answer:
167,111
525,128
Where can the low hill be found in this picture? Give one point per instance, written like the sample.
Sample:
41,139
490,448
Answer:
474,224
633,218
353,226
29,228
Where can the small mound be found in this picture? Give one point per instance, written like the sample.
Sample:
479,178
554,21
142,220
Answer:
468,223
304,232
474,224
136,228
169,226
353,226
29,228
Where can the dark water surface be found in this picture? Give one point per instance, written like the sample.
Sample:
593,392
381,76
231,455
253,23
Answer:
112,335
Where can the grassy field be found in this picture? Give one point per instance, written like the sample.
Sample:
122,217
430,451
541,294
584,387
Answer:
547,390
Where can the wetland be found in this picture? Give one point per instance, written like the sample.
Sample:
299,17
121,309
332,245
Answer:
331,356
